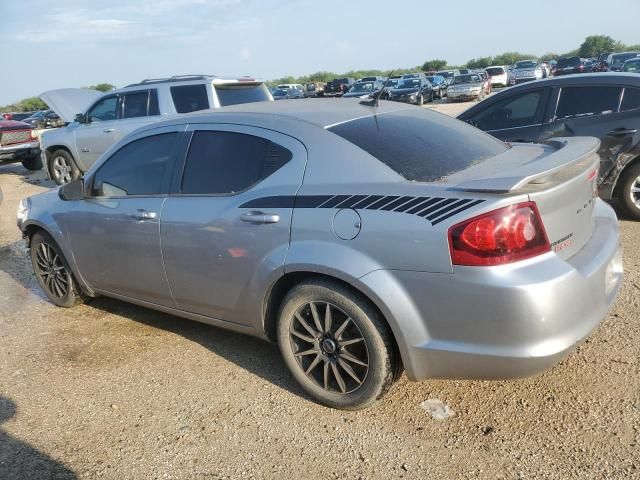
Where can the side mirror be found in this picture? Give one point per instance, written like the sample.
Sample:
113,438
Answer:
72,191
81,118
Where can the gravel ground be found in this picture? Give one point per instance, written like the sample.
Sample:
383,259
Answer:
116,391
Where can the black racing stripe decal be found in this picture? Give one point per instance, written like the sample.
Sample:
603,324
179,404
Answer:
434,210
456,211
277,201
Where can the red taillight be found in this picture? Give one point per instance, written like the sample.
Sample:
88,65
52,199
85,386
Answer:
502,236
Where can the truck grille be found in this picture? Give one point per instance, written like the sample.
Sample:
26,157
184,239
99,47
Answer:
11,137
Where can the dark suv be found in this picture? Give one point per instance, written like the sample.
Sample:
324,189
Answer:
338,86
602,105
567,66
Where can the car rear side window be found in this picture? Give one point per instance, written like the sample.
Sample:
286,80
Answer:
190,98
142,167
630,100
223,163
134,104
584,101
419,145
234,94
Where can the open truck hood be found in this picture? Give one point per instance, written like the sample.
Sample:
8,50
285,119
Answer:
67,102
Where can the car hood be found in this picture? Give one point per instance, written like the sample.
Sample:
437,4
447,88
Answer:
13,125
67,102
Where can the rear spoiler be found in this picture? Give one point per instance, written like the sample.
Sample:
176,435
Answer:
569,152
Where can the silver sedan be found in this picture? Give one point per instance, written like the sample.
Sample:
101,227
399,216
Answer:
363,240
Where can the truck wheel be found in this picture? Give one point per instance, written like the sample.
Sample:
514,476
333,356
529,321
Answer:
63,168
629,191
32,163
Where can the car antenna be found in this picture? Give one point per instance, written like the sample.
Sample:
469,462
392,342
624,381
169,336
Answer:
374,101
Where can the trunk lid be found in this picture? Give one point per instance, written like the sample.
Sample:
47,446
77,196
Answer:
560,177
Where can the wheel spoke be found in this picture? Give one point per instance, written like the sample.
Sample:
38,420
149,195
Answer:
306,352
313,364
301,336
327,319
316,317
341,329
64,279
326,375
45,252
345,343
347,356
635,189
306,326
347,368
339,379
56,287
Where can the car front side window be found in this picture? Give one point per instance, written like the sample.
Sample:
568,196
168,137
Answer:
516,111
142,167
104,110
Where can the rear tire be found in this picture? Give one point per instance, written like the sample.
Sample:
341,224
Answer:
346,362
32,163
629,191
52,271
63,168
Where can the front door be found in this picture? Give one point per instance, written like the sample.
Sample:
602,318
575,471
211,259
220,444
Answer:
99,133
115,231
226,235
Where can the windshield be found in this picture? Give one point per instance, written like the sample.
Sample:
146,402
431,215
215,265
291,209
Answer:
495,71
392,83
620,58
278,93
526,64
569,62
236,93
632,66
434,79
409,83
460,79
362,87
446,74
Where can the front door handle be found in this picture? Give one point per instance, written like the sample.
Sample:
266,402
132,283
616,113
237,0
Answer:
109,130
620,132
142,214
260,217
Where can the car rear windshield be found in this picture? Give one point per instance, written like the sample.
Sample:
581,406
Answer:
495,71
236,93
421,146
620,58
526,64
568,62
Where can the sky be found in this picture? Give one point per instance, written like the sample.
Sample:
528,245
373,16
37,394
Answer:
74,43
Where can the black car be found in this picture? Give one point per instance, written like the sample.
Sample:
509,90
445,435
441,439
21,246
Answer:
438,85
602,105
338,86
616,60
567,66
601,62
412,88
44,119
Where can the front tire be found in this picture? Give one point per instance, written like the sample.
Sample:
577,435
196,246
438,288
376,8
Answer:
336,345
63,168
420,100
52,271
32,163
629,191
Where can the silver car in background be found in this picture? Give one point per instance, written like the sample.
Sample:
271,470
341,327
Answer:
364,240
466,87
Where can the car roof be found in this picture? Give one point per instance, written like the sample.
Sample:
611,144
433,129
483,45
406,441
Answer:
322,113
603,78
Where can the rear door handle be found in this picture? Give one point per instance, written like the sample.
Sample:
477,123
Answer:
142,214
109,130
258,217
619,132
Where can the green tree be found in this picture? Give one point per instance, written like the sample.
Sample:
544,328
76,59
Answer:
431,65
30,104
102,87
509,58
482,62
594,45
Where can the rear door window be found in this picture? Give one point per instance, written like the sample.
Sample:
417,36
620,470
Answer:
586,101
421,146
521,110
630,100
134,104
236,93
224,163
190,98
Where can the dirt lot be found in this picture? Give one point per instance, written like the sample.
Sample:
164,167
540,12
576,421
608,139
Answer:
115,391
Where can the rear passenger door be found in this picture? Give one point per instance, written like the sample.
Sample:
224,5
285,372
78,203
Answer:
137,108
516,118
602,112
225,233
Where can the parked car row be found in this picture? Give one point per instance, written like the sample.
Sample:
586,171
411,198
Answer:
40,120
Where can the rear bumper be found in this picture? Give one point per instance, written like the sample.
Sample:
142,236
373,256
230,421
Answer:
19,151
502,322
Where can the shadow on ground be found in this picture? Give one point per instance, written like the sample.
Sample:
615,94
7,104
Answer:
250,353
19,460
